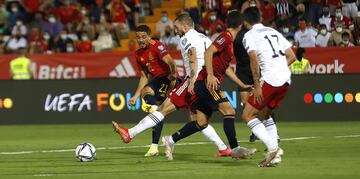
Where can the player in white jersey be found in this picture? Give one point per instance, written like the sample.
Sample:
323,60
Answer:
193,45
270,55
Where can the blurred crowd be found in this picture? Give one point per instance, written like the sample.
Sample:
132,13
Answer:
67,26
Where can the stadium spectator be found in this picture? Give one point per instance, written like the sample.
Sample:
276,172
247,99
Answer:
104,40
335,38
326,17
37,45
49,42
219,29
68,13
250,3
211,23
224,6
47,7
2,44
162,23
31,6
170,40
323,37
305,37
37,22
87,26
299,14
210,5
284,11
84,45
70,47
332,5
104,23
340,18
19,26
133,16
346,40
192,7
97,10
350,9
16,43
15,14
71,32
286,31
52,25
315,11
118,12
268,12
61,42
4,25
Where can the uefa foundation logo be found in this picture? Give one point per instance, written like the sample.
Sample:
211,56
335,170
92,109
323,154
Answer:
6,103
332,98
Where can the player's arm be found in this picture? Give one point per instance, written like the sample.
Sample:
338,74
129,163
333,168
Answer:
144,79
290,56
255,70
231,74
193,68
212,81
169,61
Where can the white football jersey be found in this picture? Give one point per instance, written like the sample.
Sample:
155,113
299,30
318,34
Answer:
270,48
200,42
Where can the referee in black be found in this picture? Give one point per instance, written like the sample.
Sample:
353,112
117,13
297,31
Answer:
243,70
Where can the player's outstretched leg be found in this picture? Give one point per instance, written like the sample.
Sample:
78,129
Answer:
258,128
210,133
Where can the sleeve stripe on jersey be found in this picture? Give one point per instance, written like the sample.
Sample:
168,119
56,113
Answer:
187,46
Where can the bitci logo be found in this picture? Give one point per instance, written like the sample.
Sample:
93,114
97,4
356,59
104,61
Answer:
6,103
328,98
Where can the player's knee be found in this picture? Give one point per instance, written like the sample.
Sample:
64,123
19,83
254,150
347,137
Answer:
166,107
229,112
147,91
202,123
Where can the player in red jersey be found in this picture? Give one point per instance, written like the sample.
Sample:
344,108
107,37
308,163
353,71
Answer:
209,96
158,77
193,45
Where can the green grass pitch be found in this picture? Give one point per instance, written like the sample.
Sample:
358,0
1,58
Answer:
330,150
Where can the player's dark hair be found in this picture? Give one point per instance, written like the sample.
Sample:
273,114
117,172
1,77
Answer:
322,26
185,18
234,19
252,15
143,28
300,53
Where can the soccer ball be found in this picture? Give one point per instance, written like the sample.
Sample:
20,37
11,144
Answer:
85,152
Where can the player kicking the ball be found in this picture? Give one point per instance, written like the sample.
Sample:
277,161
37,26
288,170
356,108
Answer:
209,96
158,77
193,46
270,53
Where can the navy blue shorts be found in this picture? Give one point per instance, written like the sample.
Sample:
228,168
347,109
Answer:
207,101
161,87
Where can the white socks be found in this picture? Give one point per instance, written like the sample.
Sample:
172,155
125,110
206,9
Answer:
271,128
147,122
259,130
210,133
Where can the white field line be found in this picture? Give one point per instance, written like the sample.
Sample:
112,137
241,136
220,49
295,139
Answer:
144,146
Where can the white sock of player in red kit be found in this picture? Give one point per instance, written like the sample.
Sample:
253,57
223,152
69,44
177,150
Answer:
210,133
259,130
147,122
271,128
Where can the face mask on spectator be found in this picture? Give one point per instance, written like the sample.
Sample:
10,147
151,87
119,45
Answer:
14,9
252,4
323,31
63,36
83,12
338,14
46,37
338,29
286,30
213,17
218,29
86,21
302,26
346,42
84,37
69,49
164,19
18,23
52,19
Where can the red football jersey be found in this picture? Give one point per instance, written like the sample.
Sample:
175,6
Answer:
222,58
150,59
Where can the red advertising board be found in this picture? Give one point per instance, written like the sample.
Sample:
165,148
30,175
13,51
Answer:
122,64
